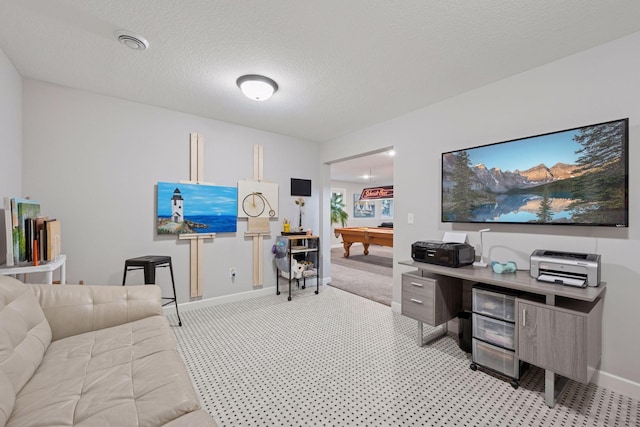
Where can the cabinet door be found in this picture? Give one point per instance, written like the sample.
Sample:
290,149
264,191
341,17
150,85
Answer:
553,339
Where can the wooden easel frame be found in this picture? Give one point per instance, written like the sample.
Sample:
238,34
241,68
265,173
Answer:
258,227
196,175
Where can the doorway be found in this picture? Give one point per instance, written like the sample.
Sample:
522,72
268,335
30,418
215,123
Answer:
369,276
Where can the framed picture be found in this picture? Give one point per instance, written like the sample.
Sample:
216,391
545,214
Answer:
387,208
257,199
363,208
196,208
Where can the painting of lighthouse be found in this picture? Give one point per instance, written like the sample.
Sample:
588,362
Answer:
196,208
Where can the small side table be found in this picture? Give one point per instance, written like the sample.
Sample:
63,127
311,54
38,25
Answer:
45,267
149,263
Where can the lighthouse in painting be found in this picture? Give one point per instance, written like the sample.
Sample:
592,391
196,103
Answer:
177,210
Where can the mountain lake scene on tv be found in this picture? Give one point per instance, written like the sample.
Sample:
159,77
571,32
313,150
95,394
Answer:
572,177
193,208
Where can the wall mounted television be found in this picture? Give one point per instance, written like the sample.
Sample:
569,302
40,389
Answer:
300,187
576,176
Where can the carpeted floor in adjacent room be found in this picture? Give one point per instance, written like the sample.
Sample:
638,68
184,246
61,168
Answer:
370,276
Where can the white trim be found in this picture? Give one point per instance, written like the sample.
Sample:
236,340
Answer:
240,296
396,307
209,302
617,384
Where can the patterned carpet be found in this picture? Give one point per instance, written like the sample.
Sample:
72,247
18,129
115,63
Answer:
335,359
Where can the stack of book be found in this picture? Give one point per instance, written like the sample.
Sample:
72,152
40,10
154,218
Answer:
30,237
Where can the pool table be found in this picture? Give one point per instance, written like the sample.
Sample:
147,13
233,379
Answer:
366,236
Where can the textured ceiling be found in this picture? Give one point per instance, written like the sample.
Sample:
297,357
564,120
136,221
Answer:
341,65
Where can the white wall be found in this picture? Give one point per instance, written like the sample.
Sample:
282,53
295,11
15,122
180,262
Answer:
596,85
10,128
93,161
10,138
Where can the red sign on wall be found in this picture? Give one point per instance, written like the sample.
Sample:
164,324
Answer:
377,193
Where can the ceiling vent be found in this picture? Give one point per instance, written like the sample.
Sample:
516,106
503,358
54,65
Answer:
132,41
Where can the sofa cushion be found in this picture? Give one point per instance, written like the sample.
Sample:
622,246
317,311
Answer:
127,375
24,337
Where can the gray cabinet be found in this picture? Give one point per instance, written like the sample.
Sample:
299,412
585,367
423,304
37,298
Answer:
563,335
565,339
433,300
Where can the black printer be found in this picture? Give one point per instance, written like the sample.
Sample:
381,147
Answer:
443,253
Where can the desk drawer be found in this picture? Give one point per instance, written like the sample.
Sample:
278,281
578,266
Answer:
418,297
422,286
432,299
419,308
494,304
494,331
496,358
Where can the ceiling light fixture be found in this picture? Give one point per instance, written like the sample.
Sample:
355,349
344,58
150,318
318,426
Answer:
132,41
256,87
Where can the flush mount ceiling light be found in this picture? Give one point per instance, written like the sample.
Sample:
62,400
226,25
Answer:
132,41
256,87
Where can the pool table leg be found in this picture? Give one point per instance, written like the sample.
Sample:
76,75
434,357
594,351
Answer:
346,246
366,248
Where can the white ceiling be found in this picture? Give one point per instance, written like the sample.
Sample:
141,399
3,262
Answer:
374,169
341,65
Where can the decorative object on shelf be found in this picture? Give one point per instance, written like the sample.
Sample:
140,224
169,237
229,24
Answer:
507,267
300,203
482,262
286,226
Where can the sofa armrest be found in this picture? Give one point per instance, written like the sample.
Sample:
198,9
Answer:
74,309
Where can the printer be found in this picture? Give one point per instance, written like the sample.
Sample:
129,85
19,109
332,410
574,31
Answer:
566,268
443,253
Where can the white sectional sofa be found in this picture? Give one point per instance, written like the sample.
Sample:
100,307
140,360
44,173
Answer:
90,356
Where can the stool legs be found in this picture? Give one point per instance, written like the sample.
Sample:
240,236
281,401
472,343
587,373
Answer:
175,300
149,268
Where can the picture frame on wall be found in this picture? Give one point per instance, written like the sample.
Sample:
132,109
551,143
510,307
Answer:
195,208
363,208
386,208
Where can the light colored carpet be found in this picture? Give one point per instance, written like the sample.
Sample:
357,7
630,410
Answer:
335,359
369,276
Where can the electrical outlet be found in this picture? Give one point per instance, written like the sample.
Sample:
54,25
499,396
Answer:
232,272
410,218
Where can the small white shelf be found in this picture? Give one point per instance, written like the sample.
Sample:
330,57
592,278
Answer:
46,267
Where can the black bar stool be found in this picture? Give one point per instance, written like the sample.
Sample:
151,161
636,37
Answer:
149,264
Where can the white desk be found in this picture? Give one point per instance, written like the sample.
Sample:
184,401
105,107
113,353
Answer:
46,267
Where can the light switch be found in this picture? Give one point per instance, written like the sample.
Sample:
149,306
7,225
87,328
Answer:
410,218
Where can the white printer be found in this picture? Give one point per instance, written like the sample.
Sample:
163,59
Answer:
566,268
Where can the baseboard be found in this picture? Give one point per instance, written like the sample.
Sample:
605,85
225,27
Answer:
396,307
240,296
617,384
209,302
